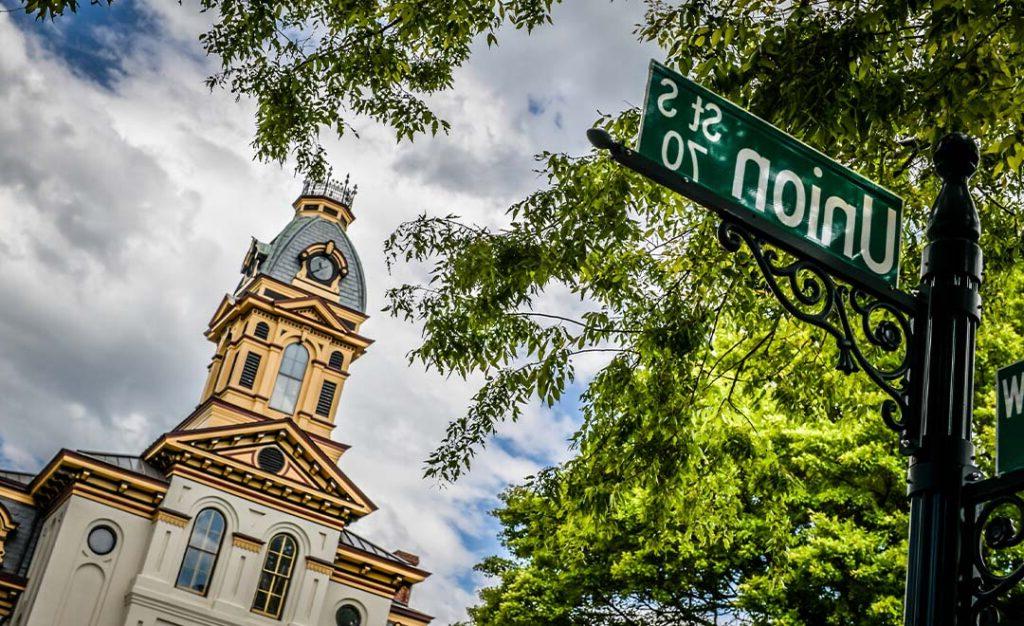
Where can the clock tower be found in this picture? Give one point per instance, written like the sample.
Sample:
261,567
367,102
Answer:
288,334
240,515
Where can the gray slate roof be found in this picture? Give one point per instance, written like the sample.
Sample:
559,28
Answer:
126,462
282,260
20,544
349,538
22,478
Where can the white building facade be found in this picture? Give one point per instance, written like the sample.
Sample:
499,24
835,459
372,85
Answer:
241,515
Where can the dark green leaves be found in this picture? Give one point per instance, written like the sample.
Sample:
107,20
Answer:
724,471
44,9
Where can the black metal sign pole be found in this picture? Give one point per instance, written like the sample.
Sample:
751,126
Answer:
951,269
930,390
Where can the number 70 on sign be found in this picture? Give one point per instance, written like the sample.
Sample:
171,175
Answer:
672,145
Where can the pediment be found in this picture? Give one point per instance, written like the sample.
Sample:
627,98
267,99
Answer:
313,309
275,459
223,309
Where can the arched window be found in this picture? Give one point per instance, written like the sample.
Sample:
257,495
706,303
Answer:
201,553
336,360
348,615
276,576
262,330
289,378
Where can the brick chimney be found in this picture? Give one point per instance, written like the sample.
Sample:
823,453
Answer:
407,556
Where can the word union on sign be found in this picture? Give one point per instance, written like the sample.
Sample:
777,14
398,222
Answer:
746,162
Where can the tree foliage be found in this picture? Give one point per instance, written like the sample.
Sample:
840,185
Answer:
723,470
315,64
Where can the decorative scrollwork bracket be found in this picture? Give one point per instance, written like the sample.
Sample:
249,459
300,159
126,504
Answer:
871,323
992,552
873,334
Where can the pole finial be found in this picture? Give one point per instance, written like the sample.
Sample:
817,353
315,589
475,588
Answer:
956,156
954,215
600,139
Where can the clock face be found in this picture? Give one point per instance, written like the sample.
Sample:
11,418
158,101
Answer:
322,268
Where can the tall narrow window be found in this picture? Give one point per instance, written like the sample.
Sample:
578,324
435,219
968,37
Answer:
262,330
249,370
336,360
201,553
323,406
289,378
276,576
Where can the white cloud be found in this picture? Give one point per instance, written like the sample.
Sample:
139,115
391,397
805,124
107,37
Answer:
125,210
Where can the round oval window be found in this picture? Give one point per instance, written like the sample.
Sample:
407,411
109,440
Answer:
102,540
348,615
270,459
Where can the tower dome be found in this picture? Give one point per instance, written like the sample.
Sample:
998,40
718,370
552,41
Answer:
314,249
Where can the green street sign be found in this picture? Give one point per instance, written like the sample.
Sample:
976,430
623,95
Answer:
1010,418
770,180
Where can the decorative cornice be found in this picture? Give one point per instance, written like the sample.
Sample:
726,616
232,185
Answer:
18,493
412,615
387,568
71,473
107,498
257,494
245,542
10,590
173,518
355,579
370,573
319,566
255,417
333,328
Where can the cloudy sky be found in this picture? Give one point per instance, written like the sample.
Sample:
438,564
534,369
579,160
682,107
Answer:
127,199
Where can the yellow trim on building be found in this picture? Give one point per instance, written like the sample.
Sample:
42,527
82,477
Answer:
11,588
16,495
246,543
171,517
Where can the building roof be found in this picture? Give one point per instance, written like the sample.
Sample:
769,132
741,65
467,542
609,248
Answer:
282,260
402,608
20,544
22,478
352,540
126,462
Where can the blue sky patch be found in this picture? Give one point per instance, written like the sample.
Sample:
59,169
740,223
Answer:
94,41
535,105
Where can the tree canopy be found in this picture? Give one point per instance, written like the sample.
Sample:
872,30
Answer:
724,471
317,64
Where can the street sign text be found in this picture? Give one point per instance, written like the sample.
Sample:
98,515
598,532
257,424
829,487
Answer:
782,184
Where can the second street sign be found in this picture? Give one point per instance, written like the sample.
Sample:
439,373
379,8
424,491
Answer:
1010,418
770,179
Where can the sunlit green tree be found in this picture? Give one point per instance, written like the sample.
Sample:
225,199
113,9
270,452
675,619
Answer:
724,472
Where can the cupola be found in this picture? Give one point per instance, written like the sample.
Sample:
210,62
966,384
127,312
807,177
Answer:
313,252
329,199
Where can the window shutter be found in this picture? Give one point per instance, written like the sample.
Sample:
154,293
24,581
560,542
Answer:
336,360
323,407
252,365
262,330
